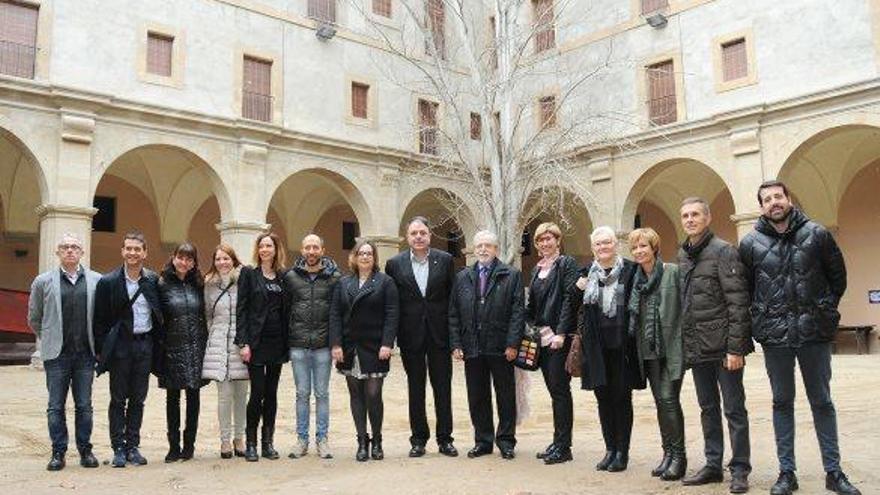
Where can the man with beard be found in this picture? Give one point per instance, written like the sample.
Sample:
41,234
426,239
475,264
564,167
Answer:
424,278
797,277
311,283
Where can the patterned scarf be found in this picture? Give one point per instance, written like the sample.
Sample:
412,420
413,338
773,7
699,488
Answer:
611,292
645,288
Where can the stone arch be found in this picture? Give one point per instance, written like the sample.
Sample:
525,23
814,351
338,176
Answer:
655,198
23,187
176,183
318,200
834,175
450,229
573,215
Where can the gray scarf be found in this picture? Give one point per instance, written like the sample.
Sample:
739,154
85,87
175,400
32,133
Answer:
611,293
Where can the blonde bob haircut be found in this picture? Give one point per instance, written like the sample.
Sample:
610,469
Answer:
646,234
548,228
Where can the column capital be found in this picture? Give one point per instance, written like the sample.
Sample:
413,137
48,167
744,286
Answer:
65,211
746,218
236,227
383,240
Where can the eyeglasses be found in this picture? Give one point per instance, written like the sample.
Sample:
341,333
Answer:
71,247
365,254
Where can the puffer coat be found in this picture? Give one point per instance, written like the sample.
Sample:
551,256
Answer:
310,303
222,360
715,301
796,278
183,346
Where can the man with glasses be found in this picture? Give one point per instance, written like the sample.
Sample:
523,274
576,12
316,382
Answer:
60,314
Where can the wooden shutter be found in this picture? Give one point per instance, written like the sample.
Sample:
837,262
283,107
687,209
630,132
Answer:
18,39
428,127
382,7
359,100
548,111
649,6
661,93
545,26
437,24
323,10
159,54
734,60
476,126
257,89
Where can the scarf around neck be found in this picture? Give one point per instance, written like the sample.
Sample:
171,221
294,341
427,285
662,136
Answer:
611,292
645,289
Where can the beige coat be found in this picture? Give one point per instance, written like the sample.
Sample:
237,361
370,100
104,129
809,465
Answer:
222,361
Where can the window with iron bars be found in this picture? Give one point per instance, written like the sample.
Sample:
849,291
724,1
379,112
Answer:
359,100
428,127
734,60
18,39
322,10
382,7
436,17
545,25
662,106
257,89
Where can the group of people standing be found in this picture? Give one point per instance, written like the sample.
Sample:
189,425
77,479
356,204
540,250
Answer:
640,322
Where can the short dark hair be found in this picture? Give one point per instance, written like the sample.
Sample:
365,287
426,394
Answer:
418,219
696,200
135,235
186,250
772,183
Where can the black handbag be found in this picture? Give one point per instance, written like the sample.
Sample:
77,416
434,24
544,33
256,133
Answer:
103,363
528,352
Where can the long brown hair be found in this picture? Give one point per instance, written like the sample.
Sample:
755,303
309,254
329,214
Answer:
279,262
226,248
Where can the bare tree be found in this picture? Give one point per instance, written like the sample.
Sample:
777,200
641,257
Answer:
503,109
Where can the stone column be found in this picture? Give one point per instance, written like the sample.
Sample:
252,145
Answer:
241,236
55,221
745,223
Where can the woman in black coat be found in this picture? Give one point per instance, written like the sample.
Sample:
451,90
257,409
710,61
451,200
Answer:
262,312
364,313
610,366
181,298
549,304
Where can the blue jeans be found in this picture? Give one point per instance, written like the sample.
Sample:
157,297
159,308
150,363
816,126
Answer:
814,360
311,370
67,371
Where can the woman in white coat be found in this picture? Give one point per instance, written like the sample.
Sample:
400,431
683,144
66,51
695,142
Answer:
222,361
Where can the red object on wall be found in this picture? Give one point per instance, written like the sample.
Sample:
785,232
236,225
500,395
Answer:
13,311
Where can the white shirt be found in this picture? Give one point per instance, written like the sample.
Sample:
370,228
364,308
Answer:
420,269
143,323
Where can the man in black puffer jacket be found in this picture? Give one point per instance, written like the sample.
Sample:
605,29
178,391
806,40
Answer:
311,283
715,330
797,276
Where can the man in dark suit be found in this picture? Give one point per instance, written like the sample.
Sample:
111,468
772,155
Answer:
424,279
127,298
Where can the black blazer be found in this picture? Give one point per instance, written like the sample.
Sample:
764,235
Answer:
363,319
423,319
557,307
112,307
251,309
490,326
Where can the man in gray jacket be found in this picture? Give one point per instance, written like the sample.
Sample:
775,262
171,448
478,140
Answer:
716,338
60,314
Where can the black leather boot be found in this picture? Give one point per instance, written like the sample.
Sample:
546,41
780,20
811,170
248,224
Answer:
664,464
173,454
363,452
676,469
189,445
606,461
250,445
558,456
269,451
376,451
620,462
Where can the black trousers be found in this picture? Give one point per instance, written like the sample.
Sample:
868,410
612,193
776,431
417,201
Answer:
172,415
667,392
558,383
365,399
615,403
481,374
129,384
708,378
419,364
263,402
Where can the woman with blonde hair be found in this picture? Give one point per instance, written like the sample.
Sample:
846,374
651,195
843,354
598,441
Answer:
262,312
548,307
655,312
223,363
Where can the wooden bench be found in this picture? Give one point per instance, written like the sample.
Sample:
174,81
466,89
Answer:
862,332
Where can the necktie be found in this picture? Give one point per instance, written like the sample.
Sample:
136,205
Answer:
484,279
